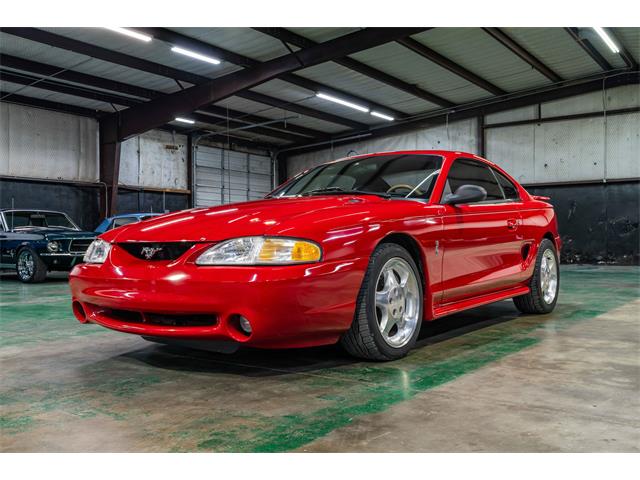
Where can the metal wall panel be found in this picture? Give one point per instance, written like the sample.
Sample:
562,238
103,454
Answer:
456,136
569,151
512,149
224,176
623,146
155,159
40,143
525,113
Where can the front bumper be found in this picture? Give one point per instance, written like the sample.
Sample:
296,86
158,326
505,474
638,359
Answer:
61,261
287,306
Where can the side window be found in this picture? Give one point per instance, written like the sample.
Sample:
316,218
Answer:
118,222
465,171
509,189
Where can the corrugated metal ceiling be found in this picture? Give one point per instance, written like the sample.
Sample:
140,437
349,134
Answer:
472,48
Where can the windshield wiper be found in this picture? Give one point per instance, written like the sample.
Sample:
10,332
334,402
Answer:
339,190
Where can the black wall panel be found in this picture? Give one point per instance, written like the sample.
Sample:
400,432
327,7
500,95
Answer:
598,222
82,203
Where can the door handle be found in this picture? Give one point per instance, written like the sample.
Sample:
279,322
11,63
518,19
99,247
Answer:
3,236
512,224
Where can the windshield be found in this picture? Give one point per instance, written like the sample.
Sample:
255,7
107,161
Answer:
394,176
27,219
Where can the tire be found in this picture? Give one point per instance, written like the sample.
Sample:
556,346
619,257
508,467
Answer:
33,269
536,301
401,306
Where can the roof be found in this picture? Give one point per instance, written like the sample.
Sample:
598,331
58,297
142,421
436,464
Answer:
147,214
427,72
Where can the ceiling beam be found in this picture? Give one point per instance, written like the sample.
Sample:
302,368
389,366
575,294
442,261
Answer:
46,70
302,110
55,72
17,99
66,88
588,47
141,118
224,112
488,106
521,52
626,55
293,38
447,64
205,48
123,59
51,85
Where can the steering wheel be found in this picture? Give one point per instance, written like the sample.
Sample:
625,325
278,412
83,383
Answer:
406,186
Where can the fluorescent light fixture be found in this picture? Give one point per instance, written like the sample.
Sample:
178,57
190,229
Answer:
185,120
130,33
196,55
342,102
382,115
607,39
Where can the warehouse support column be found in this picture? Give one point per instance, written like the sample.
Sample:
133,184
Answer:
109,165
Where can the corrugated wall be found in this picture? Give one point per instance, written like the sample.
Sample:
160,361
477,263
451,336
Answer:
565,151
455,136
43,144
598,220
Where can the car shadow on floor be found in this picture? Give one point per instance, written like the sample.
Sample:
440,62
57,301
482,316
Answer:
258,363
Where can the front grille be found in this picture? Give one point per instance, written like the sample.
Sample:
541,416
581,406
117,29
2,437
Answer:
153,251
80,245
160,319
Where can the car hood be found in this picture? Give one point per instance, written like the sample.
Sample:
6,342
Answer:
262,217
58,233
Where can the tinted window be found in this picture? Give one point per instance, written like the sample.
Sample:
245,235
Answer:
26,219
509,189
118,222
399,175
469,172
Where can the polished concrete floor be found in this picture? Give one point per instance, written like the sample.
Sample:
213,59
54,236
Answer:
486,380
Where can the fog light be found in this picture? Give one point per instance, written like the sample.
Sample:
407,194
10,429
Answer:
245,325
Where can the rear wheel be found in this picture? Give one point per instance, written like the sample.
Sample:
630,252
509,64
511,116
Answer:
30,267
389,307
544,283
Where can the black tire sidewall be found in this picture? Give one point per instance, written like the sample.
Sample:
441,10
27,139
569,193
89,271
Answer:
389,251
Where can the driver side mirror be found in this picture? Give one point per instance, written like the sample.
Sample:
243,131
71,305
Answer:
465,194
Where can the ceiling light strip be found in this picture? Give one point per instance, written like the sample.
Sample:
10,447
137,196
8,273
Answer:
130,33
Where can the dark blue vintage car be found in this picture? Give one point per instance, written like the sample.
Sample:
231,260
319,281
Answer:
35,242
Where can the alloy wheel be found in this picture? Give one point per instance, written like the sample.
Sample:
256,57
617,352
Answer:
397,307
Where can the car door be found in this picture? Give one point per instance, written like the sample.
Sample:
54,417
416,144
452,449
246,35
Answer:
481,241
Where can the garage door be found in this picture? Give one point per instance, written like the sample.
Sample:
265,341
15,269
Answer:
222,176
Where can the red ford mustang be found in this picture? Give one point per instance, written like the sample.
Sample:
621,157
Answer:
358,251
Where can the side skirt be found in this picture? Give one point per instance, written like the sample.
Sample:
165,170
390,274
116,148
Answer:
455,307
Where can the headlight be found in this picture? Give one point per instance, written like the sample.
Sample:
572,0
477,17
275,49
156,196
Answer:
261,251
53,247
97,251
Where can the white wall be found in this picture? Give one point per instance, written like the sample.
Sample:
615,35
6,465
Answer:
456,136
155,159
605,147
44,144
39,143
573,150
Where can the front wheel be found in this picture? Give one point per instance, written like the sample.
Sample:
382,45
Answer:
30,267
389,307
544,283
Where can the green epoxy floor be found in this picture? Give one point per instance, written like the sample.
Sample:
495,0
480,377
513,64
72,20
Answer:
486,380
